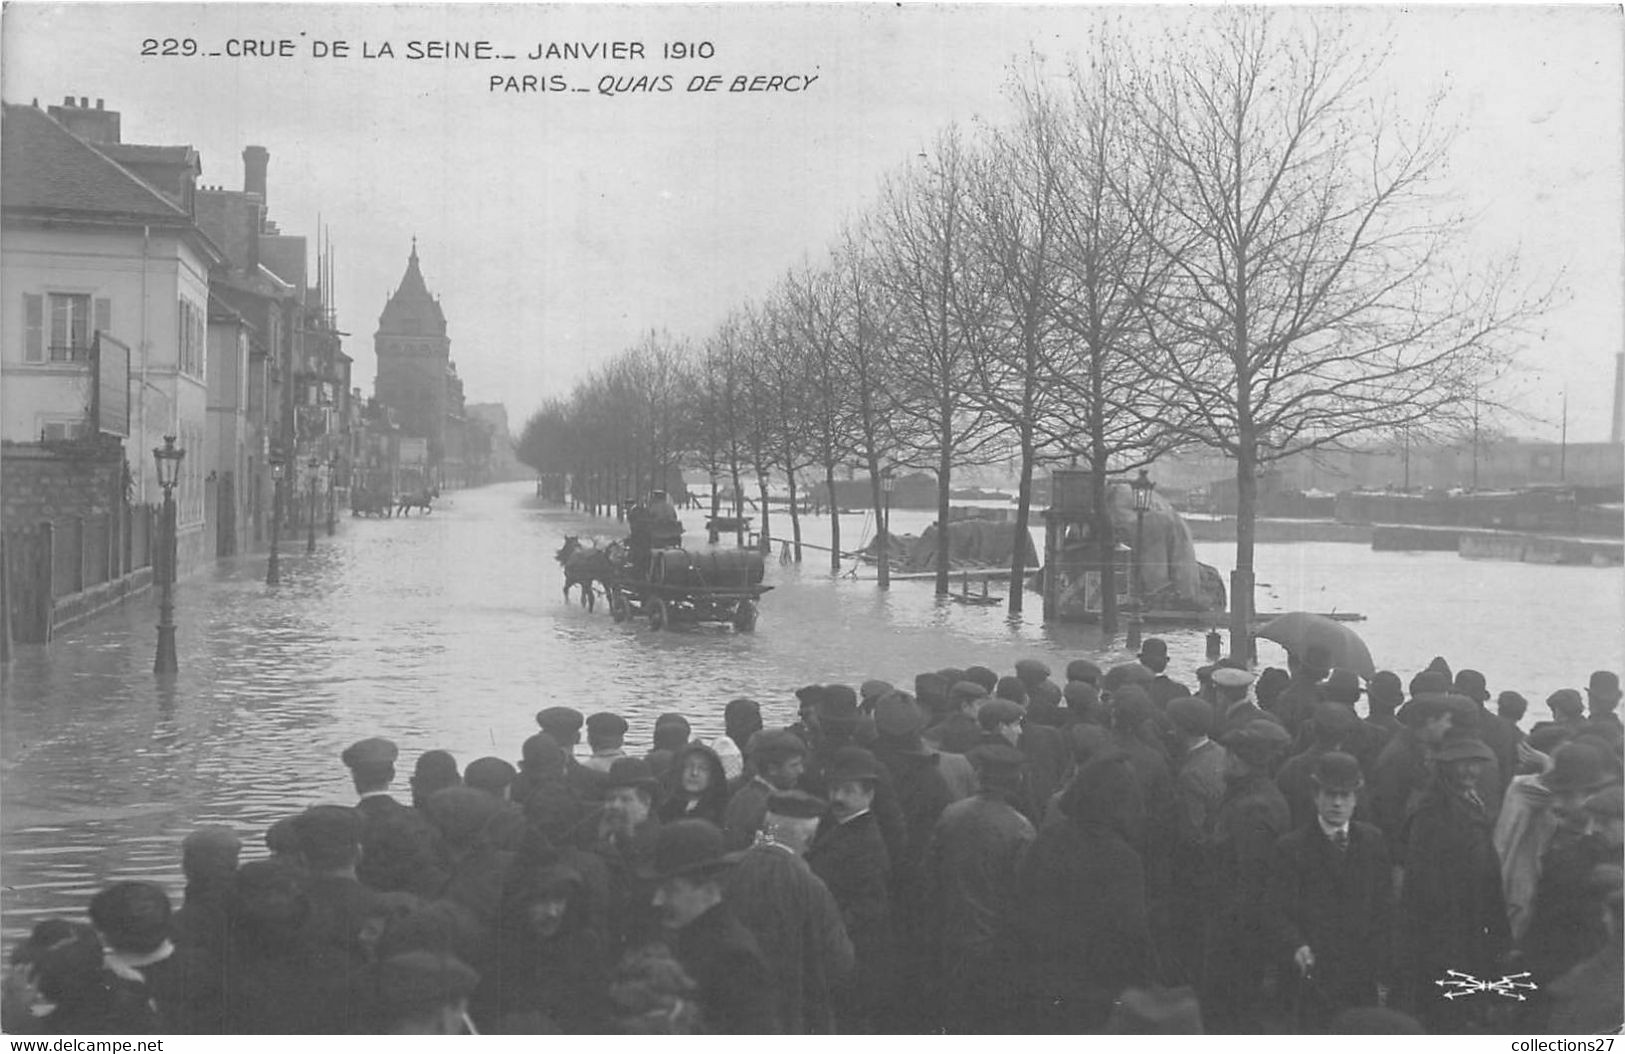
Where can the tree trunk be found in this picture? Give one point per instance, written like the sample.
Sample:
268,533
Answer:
716,510
795,517
1241,581
944,484
1106,539
1018,554
883,543
834,521
739,506
765,542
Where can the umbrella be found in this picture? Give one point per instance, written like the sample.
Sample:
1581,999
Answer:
1298,631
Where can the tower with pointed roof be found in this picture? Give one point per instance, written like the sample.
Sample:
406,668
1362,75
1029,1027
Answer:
416,377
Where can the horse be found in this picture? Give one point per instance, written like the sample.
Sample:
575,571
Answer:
420,500
365,502
583,565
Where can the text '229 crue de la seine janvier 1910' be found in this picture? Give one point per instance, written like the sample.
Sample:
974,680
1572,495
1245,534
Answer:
578,77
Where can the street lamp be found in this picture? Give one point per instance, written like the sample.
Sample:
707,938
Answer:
1142,487
332,490
273,572
310,539
168,458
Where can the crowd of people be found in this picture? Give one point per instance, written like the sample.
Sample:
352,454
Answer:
1112,852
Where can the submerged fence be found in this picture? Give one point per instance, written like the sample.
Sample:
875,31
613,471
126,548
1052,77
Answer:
58,573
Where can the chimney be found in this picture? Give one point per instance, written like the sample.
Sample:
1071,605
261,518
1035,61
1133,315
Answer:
100,125
255,160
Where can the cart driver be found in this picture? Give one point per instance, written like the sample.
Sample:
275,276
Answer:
665,529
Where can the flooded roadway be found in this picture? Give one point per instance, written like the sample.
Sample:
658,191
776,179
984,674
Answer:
448,631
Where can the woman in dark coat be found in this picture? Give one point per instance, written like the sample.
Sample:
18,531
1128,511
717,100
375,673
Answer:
1082,916
696,787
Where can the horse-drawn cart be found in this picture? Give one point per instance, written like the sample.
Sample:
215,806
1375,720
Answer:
667,605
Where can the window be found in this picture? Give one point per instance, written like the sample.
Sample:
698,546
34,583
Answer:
57,327
192,327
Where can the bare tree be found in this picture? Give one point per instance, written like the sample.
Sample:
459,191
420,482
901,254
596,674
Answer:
939,289
1319,290
811,313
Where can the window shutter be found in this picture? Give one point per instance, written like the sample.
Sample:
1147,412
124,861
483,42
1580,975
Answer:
34,327
104,315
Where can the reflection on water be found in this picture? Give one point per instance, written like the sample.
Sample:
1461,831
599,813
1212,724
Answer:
448,631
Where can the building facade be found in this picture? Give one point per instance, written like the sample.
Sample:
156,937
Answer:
418,381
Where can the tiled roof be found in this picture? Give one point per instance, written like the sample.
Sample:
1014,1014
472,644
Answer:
412,309
140,153
44,166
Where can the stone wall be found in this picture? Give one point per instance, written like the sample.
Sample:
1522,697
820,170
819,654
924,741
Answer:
57,482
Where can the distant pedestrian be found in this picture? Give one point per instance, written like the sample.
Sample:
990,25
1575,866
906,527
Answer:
563,725
1602,703
1384,695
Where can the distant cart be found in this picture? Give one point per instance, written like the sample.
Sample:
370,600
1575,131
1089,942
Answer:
667,605
692,587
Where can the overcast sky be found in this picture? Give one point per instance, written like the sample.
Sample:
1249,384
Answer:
557,227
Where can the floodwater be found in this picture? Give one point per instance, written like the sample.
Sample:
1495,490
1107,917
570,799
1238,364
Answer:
449,631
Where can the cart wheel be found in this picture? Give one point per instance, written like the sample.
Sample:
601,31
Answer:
659,617
745,617
618,609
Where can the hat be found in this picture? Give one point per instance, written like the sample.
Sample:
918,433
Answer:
1471,684
604,725
896,716
1467,748
671,731
839,708
1045,692
851,763
952,674
1127,673
687,847
1440,666
1429,682
727,752
560,719
1609,801
132,916
1604,685
542,752
796,804
1385,690
1336,771
416,982
370,753
1083,670
1191,716
1343,686
489,774
1131,706
1335,722
631,772
1575,767
283,835
930,688
1228,677
462,813
328,834
212,841
996,757
772,746
436,768
1031,671
1510,700
965,691
998,712
1566,701
872,690
1154,648
1012,689
1080,695
983,676
1258,739
810,696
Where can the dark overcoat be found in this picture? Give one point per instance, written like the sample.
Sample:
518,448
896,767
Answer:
735,987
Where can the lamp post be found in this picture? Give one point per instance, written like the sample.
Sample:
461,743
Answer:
273,571
1142,487
168,458
310,538
332,490
887,483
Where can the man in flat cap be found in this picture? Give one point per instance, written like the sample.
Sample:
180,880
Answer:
1233,705
958,731
342,910
1252,817
400,852
605,734
973,863
563,725
736,991
792,913
1453,913
1329,905
1602,702
777,759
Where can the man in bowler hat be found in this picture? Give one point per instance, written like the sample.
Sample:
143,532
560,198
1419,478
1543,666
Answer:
1329,903
735,986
